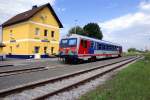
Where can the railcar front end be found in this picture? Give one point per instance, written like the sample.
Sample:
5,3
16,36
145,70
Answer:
68,49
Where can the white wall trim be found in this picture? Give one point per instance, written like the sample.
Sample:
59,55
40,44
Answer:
28,40
54,42
45,25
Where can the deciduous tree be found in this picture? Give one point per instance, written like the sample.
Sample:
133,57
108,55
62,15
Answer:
93,30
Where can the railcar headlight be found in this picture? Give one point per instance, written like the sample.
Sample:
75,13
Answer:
75,53
72,52
61,53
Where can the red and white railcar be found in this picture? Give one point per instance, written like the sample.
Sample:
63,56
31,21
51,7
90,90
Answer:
77,47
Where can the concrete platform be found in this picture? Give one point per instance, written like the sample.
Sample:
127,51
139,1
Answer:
15,65
5,65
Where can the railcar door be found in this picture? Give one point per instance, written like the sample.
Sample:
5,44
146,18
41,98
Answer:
92,47
84,46
120,51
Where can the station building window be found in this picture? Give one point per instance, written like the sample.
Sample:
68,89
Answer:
52,34
11,34
45,32
11,48
45,50
37,31
52,50
36,49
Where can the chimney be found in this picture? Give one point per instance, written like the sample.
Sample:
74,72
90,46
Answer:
35,6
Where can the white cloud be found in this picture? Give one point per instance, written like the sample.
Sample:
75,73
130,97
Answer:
61,9
144,5
9,8
123,22
130,30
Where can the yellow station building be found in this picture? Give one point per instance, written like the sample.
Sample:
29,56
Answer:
1,48
2,55
36,31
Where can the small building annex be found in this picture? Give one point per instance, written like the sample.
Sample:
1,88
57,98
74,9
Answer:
36,31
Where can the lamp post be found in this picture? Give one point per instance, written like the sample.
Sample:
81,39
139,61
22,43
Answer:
76,26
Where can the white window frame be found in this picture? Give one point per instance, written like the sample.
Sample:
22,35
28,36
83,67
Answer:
37,31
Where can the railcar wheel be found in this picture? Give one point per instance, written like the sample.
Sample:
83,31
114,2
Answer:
92,59
75,61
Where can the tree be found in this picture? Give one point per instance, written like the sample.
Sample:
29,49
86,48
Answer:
93,30
76,30
132,50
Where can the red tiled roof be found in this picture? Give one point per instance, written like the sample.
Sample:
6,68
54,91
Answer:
28,14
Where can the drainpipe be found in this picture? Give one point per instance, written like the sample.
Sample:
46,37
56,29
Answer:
1,33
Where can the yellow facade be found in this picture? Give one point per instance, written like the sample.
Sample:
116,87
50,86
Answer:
1,50
23,38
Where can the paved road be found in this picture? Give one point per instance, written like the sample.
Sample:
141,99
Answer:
55,69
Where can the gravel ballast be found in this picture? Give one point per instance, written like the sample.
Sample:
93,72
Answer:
74,94
70,95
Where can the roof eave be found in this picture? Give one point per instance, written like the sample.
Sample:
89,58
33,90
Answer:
50,8
54,14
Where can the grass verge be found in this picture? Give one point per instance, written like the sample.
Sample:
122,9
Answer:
132,83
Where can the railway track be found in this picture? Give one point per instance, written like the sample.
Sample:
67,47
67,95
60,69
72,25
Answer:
43,90
20,71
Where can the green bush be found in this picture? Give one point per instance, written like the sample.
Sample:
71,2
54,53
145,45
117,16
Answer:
147,56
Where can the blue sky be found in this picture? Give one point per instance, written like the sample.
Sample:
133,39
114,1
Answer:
94,10
125,22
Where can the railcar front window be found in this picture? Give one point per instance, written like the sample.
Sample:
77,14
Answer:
72,42
68,42
64,43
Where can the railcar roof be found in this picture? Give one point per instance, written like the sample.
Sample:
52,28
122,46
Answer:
85,37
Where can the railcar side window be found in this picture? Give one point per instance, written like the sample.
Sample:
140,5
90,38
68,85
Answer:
103,47
99,46
92,44
109,47
115,47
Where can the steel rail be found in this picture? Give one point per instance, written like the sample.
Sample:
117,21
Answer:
6,92
82,81
15,72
